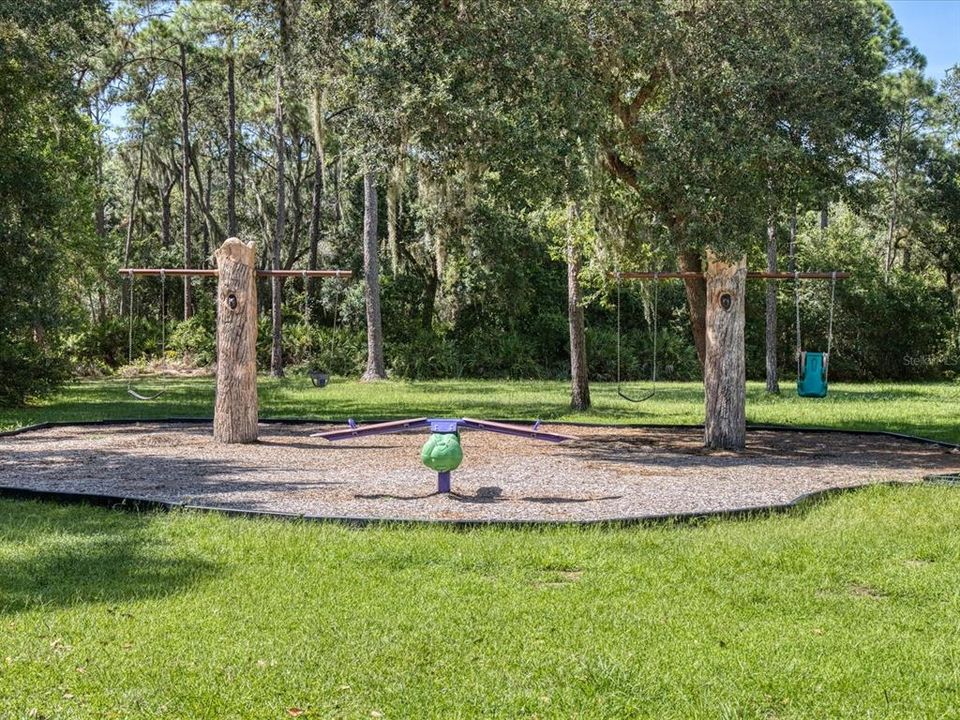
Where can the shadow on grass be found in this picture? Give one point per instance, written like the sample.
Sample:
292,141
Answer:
54,557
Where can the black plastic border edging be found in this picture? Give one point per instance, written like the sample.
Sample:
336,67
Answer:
118,502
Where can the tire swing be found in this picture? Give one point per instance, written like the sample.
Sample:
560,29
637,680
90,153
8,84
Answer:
813,368
653,386
163,338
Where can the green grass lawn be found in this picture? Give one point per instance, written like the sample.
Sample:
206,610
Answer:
846,608
926,409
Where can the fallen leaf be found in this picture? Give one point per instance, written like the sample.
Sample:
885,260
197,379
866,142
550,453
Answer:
295,712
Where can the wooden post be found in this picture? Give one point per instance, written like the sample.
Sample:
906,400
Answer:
235,410
725,426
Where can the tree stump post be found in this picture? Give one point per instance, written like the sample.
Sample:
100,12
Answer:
235,410
725,427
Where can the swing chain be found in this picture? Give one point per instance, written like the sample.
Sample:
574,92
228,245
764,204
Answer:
656,296
336,312
306,300
656,303
163,317
796,304
619,283
833,294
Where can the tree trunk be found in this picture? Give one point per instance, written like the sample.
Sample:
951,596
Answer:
792,251
337,184
891,253
319,185
429,296
231,146
371,274
213,232
313,256
725,426
165,214
394,180
276,350
134,196
235,409
696,290
99,209
773,382
579,376
185,180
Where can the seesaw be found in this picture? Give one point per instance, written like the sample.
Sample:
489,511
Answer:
442,451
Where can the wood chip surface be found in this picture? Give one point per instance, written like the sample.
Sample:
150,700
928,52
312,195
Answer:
606,473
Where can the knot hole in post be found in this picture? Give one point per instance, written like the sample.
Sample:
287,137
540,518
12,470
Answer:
726,301
232,301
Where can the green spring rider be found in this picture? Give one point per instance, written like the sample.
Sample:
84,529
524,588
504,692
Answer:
443,454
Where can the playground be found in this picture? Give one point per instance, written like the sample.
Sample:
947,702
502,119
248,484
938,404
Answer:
479,360
604,474
608,470
598,474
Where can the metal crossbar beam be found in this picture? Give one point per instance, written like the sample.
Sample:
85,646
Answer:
755,275
209,272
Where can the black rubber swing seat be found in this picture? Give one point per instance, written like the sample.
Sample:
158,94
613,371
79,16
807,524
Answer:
141,396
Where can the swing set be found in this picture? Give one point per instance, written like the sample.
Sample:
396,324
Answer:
812,366
153,395
318,377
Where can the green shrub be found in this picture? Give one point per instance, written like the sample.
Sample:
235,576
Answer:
195,338
27,369
338,352
99,345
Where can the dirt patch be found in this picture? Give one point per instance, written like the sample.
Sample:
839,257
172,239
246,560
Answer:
607,473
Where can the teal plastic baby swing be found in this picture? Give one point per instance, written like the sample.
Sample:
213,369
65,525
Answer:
813,368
